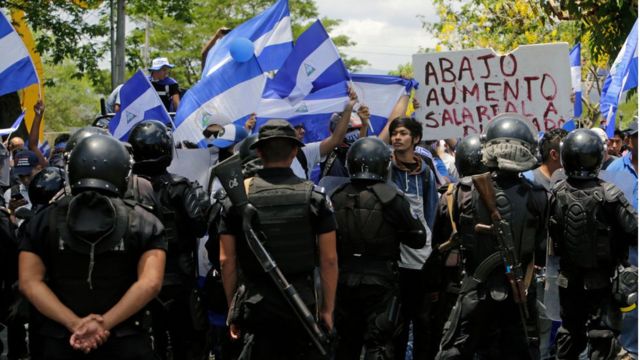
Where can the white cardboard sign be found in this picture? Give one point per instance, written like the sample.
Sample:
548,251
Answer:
460,91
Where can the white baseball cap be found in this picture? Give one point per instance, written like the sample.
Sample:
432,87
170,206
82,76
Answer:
159,63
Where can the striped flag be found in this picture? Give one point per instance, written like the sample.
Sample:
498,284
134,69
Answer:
16,68
230,90
622,77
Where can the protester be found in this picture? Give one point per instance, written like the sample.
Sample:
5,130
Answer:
167,87
549,149
608,158
414,178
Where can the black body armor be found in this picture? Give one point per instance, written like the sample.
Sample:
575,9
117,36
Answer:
284,214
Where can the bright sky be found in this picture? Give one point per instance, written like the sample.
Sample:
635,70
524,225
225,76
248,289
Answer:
387,32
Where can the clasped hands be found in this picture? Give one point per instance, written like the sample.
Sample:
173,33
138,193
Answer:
89,333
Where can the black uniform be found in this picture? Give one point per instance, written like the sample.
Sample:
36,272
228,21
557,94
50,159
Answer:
179,318
445,264
373,219
91,277
291,213
592,225
486,320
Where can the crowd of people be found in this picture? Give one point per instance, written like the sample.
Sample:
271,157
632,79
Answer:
397,247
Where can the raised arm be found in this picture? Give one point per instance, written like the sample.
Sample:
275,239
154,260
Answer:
341,128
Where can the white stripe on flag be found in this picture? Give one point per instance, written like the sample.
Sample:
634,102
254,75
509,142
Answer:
228,106
576,78
312,67
282,109
280,34
15,50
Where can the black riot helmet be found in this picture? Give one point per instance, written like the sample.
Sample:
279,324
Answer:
99,163
469,156
368,159
510,144
152,144
80,134
45,185
581,154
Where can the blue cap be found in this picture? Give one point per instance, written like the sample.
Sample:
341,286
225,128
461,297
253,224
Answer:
231,135
24,161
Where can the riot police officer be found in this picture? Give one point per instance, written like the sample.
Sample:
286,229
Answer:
445,263
90,262
373,219
501,222
592,225
179,321
298,226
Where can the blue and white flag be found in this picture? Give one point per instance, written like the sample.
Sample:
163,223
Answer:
45,148
270,32
311,85
622,77
576,80
16,68
139,101
14,127
380,93
314,64
230,90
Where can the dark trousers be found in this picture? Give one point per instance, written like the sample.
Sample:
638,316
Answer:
583,312
175,331
480,327
366,315
130,347
416,305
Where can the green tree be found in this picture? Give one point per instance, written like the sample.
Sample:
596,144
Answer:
70,101
404,70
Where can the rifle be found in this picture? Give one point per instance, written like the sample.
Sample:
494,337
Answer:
501,229
230,174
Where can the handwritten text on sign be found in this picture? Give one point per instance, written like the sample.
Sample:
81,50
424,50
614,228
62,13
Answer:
461,91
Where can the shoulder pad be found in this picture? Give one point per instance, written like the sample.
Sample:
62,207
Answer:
560,185
385,192
611,192
316,188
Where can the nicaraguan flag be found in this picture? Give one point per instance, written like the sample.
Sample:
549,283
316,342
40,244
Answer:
622,77
380,93
311,85
270,32
16,68
14,127
313,64
139,101
230,90
45,148
576,80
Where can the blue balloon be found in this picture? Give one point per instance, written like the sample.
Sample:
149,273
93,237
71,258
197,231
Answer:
241,49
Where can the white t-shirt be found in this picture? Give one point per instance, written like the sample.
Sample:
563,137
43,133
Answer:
312,153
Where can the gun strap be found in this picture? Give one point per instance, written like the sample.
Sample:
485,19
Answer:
449,194
247,184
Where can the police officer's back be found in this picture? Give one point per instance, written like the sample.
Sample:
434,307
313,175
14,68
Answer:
491,317
592,225
182,209
91,261
298,229
373,219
